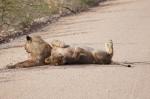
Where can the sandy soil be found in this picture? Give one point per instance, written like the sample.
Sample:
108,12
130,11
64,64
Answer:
126,22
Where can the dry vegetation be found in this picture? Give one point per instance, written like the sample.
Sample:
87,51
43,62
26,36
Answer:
19,17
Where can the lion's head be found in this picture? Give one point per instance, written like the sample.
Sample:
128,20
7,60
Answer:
37,47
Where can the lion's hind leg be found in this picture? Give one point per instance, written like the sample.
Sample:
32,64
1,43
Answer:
77,52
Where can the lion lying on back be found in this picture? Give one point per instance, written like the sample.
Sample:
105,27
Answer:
77,55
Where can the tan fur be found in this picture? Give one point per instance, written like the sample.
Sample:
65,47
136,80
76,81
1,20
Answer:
104,57
60,56
77,55
58,44
38,50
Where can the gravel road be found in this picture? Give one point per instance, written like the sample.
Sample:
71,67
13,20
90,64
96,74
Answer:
126,22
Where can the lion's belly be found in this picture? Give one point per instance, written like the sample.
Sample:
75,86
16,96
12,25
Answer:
85,60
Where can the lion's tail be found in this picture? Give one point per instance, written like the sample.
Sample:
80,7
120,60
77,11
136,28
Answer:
109,47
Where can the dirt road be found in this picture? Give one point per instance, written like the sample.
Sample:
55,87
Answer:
126,22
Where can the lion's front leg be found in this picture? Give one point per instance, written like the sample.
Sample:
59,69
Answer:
24,64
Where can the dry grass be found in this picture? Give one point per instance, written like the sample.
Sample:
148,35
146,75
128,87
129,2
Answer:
19,15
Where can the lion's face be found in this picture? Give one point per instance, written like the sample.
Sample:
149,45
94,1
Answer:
55,60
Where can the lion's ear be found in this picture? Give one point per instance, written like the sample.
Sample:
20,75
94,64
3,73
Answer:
28,38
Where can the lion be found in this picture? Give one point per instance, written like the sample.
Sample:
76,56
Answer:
69,55
38,50
78,55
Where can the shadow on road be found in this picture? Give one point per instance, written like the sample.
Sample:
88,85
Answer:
74,66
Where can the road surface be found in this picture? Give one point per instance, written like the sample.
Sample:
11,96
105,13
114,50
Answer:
126,22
